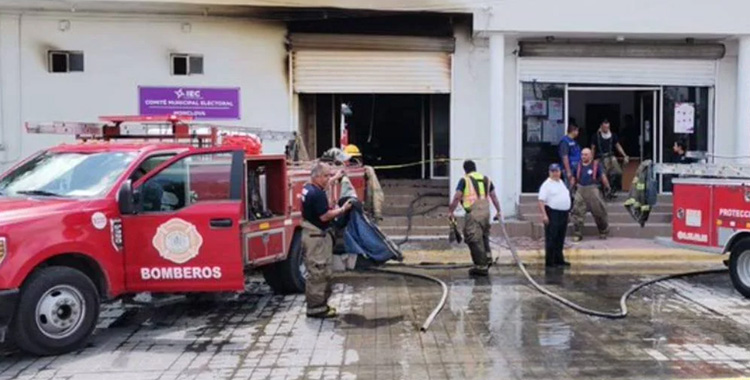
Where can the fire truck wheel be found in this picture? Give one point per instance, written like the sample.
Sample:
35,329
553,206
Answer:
739,267
288,276
57,311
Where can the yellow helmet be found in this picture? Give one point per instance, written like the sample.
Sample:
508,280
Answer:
352,150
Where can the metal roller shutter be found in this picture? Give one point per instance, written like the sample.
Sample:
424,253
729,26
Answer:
624,71
355,64
314,41
371,72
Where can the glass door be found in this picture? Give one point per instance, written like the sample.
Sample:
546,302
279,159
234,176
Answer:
543,111
648,124
686,119
439,136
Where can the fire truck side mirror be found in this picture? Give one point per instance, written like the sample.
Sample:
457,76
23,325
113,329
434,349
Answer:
125,198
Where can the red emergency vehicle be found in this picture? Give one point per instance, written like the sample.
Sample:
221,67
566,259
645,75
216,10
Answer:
102,219
711,212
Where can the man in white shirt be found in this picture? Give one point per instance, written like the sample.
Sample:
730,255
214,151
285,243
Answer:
554,204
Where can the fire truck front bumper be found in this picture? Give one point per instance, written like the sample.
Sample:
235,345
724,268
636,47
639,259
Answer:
8,304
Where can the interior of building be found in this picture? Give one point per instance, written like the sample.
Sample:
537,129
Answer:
389,129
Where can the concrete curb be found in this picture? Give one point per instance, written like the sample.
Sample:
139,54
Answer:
588,256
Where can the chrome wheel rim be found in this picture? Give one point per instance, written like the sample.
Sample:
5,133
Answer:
60,311
743,268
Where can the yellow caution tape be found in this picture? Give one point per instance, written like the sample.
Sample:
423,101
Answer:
437,160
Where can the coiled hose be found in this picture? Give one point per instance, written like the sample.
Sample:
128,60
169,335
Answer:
443,298
623,300
622,313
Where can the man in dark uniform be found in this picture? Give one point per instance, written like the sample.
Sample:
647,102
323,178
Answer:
588,197
570,153
317,241
680,153
473,192
604,144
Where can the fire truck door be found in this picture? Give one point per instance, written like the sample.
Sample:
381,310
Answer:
185,236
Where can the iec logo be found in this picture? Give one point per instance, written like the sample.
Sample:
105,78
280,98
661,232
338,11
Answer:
189,94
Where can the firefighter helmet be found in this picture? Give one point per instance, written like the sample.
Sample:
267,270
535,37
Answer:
352,150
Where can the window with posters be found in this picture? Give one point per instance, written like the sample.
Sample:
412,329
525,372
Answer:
686,120
543,127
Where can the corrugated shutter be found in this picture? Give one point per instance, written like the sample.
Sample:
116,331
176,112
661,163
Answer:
315,41
625,71
705,51
371,72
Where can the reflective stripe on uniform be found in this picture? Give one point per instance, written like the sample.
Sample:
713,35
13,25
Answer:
470,193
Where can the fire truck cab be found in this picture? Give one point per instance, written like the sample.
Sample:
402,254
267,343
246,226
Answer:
89,222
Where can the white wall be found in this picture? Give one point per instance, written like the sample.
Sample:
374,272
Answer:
725,128
470,125
666,17
470,117
124,53
512,147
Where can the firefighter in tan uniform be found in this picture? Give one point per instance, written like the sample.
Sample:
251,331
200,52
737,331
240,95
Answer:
472,192
317,240
604,144
588,197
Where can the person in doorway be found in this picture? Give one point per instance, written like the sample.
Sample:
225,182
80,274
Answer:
474,192
554,204
317,241
680,153
374,197
570,153
603,145
588,197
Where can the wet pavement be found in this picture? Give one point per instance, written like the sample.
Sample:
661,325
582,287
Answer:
491,328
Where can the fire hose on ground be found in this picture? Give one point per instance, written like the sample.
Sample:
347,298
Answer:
623,310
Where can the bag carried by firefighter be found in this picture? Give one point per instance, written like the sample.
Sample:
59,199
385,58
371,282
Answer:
455,235
643,193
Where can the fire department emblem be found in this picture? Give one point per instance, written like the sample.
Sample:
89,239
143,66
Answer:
680,214
177,241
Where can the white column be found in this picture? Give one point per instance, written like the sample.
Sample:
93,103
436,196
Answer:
742,142
497,114
10,91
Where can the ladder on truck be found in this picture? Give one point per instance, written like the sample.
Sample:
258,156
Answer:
168,128
734,171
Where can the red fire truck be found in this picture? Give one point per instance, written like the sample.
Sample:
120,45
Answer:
711,212
173,210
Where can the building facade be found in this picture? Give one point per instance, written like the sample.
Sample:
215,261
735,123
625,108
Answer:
496,81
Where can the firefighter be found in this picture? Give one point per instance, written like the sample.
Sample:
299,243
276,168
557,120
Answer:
374,197
588,197
473,192
604,144
317,240
355,154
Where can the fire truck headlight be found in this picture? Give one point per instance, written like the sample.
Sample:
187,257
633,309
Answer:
3,249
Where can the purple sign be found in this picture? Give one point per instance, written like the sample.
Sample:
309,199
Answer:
198,102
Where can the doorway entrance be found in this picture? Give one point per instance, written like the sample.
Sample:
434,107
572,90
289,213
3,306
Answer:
648,120
409,133
632,113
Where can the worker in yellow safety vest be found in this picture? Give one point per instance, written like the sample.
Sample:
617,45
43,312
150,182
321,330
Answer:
472,192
